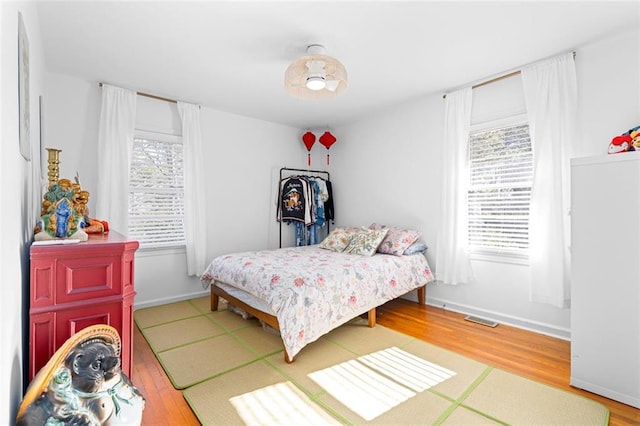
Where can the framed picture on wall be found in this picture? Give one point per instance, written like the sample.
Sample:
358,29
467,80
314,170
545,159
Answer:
23,89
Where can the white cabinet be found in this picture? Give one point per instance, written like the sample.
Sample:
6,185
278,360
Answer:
605,276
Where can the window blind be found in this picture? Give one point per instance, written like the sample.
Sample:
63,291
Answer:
156,193
500,170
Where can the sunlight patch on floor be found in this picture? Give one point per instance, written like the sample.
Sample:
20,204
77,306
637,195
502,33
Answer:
280,404
373,384
411,371
364,391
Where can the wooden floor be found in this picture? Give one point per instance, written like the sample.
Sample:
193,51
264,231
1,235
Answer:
528,354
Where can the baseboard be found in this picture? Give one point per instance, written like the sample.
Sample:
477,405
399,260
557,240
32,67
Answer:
518,322
165,300
632,400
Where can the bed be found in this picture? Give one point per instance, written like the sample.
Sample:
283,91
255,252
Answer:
305,292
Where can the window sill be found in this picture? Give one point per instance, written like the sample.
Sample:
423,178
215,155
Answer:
500,257
160,251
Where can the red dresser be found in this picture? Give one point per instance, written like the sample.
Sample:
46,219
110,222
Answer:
74,286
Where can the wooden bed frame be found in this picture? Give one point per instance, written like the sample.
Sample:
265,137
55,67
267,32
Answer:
272,320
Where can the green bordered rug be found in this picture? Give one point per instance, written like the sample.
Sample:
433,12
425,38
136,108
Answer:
232,371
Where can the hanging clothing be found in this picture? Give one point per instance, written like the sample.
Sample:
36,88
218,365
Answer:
303,201
305,235
318,202
329,212
294,200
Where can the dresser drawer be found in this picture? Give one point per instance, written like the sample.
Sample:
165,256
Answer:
69,322
88,278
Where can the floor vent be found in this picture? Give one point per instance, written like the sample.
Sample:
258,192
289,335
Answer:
481,321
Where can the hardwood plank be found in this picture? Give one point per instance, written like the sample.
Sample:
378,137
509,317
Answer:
536,356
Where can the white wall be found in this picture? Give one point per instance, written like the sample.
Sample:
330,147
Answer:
387,169
18,212
70,123
242,159
384,168
608,73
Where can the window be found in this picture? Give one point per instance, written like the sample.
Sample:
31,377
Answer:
499,193
156,190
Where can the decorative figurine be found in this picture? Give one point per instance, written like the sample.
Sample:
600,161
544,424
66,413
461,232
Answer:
82,384
64,212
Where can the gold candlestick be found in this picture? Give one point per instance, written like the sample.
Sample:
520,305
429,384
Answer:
54,161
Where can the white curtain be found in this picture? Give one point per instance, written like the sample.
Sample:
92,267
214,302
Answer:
551,96
194,206
452,259
115,145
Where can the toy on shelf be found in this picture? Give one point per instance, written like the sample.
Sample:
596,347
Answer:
635,137
628,141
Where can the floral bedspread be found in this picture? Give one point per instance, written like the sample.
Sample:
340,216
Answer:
313,290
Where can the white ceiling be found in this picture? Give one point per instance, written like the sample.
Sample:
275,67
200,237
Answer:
232,56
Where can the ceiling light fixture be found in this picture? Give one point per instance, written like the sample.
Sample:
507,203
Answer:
315,75
315,83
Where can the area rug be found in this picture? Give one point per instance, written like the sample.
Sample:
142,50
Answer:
232,371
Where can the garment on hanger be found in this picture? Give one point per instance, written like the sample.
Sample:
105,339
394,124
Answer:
302,200
329,212
295,201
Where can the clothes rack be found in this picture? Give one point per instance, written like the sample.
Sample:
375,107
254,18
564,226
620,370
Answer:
289,172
